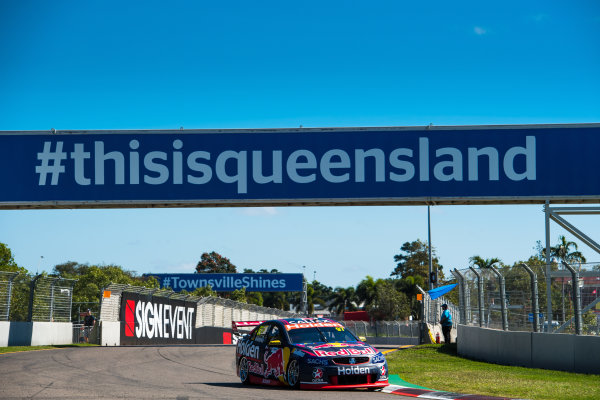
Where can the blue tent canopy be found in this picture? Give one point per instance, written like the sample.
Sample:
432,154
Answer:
440,291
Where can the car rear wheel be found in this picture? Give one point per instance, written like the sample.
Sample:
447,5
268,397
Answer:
244,374
293,374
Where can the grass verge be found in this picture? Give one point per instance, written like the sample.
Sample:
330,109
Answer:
15,349
439,367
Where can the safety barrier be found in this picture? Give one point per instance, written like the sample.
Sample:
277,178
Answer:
574,353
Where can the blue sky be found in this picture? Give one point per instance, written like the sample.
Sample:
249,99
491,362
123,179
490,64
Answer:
149,65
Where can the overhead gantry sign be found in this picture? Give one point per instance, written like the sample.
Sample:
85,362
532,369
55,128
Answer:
320,166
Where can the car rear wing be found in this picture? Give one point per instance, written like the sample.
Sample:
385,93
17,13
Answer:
240,328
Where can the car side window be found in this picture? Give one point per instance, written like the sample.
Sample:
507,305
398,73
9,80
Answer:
275,333
261,333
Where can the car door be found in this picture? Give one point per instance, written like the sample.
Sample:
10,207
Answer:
273,355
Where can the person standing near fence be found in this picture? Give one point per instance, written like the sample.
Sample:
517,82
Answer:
446,322
88,324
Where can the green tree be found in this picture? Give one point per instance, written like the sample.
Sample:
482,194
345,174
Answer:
92,279
414,260
205,291
390,304
239,295
483,263
408,286
314,293
213,262
562,251
343,299
19,304
366,292
255,298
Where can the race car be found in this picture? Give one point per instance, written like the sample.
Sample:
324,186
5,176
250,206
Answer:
308,353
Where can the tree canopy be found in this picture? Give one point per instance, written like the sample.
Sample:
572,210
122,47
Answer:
414,260
213,262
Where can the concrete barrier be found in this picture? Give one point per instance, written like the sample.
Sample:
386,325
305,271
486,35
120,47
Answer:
574,353
4,329
110,333
35,333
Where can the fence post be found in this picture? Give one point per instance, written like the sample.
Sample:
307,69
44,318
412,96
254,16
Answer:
461,295
576,298
10,283
534,297
502,298
479,295
31,294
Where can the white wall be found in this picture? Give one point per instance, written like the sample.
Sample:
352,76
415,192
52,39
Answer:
575,353
110,333
35,333
4,329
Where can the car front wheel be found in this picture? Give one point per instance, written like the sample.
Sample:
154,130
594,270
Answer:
244,374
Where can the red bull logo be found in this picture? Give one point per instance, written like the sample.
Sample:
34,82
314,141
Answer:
274,362
344,352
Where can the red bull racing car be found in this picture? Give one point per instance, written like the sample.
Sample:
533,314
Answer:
308,353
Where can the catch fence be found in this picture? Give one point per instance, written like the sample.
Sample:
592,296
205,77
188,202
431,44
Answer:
515,298
51,299
6,287
408,329
39,298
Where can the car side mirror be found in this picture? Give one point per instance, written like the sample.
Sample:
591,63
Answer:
362,338
275,342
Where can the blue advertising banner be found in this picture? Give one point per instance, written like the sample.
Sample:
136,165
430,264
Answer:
231,282
510,164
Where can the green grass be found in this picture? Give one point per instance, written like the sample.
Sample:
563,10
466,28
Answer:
440,368
14,349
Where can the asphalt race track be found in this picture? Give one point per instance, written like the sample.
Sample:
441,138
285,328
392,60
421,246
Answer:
161,372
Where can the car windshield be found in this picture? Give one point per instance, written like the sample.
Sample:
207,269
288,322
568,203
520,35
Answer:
326,334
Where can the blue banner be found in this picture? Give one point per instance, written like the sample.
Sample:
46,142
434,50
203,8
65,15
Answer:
359,165
231,282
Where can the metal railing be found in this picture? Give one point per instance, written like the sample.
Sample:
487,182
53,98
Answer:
86,334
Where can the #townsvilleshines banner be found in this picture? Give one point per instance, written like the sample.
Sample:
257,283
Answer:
231,282
413,165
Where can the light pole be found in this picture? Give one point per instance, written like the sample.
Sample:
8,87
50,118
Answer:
429,245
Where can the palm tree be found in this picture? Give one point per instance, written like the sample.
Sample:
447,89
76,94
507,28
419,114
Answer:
483,263
343,299
366,292
563,253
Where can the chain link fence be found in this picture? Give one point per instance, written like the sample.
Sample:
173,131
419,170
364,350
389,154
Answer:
524,290
6,287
